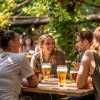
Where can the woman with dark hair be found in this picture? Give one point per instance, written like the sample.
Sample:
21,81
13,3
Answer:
27,44
14,66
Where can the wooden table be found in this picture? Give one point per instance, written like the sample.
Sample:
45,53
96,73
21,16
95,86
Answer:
52,87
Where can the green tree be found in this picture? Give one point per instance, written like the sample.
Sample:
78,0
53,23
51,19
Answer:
64,17
5,5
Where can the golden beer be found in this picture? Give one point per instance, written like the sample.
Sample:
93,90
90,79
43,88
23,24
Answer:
46,71
61,72
73,76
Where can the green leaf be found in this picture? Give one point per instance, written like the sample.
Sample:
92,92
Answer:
60,18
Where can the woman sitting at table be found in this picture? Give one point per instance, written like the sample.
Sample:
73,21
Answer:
90,65
48,54
13,67
27,45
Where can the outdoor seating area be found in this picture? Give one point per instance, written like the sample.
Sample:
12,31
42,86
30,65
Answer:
52,87
50,50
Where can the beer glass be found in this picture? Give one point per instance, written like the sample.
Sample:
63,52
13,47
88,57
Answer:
73,75
62,73
46,70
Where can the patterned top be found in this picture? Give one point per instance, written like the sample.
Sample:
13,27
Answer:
37,59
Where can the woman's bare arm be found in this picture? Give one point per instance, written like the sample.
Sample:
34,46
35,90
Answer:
31,81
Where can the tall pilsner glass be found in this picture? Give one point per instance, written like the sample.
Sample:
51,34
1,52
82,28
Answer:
62,73
46,70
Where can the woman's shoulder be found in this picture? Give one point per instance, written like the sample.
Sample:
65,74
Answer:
33,46
59,52
20,55
23,48
16,56
37,54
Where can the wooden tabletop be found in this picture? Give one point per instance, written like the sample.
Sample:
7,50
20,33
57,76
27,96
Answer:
52,87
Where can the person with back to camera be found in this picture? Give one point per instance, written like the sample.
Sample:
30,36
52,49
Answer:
14,66
90,65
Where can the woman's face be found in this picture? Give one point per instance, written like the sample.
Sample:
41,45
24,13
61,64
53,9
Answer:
28,41
48,45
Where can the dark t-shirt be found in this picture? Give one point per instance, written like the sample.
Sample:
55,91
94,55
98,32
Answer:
79,57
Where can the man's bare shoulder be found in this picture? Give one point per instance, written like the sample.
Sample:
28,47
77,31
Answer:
89,53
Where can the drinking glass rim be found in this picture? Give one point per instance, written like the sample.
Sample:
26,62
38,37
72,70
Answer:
44,64
62,67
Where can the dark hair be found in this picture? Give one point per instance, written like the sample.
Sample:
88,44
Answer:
24,39
5,37
85,35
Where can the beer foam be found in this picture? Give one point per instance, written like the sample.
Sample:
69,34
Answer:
73,71
61,69
46,65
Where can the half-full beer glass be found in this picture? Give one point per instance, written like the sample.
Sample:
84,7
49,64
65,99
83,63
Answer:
46,70
73,75
62,73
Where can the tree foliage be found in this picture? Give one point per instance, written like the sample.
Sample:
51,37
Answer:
64,17
5,5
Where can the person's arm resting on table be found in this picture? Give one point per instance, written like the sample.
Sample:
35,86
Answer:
31,81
